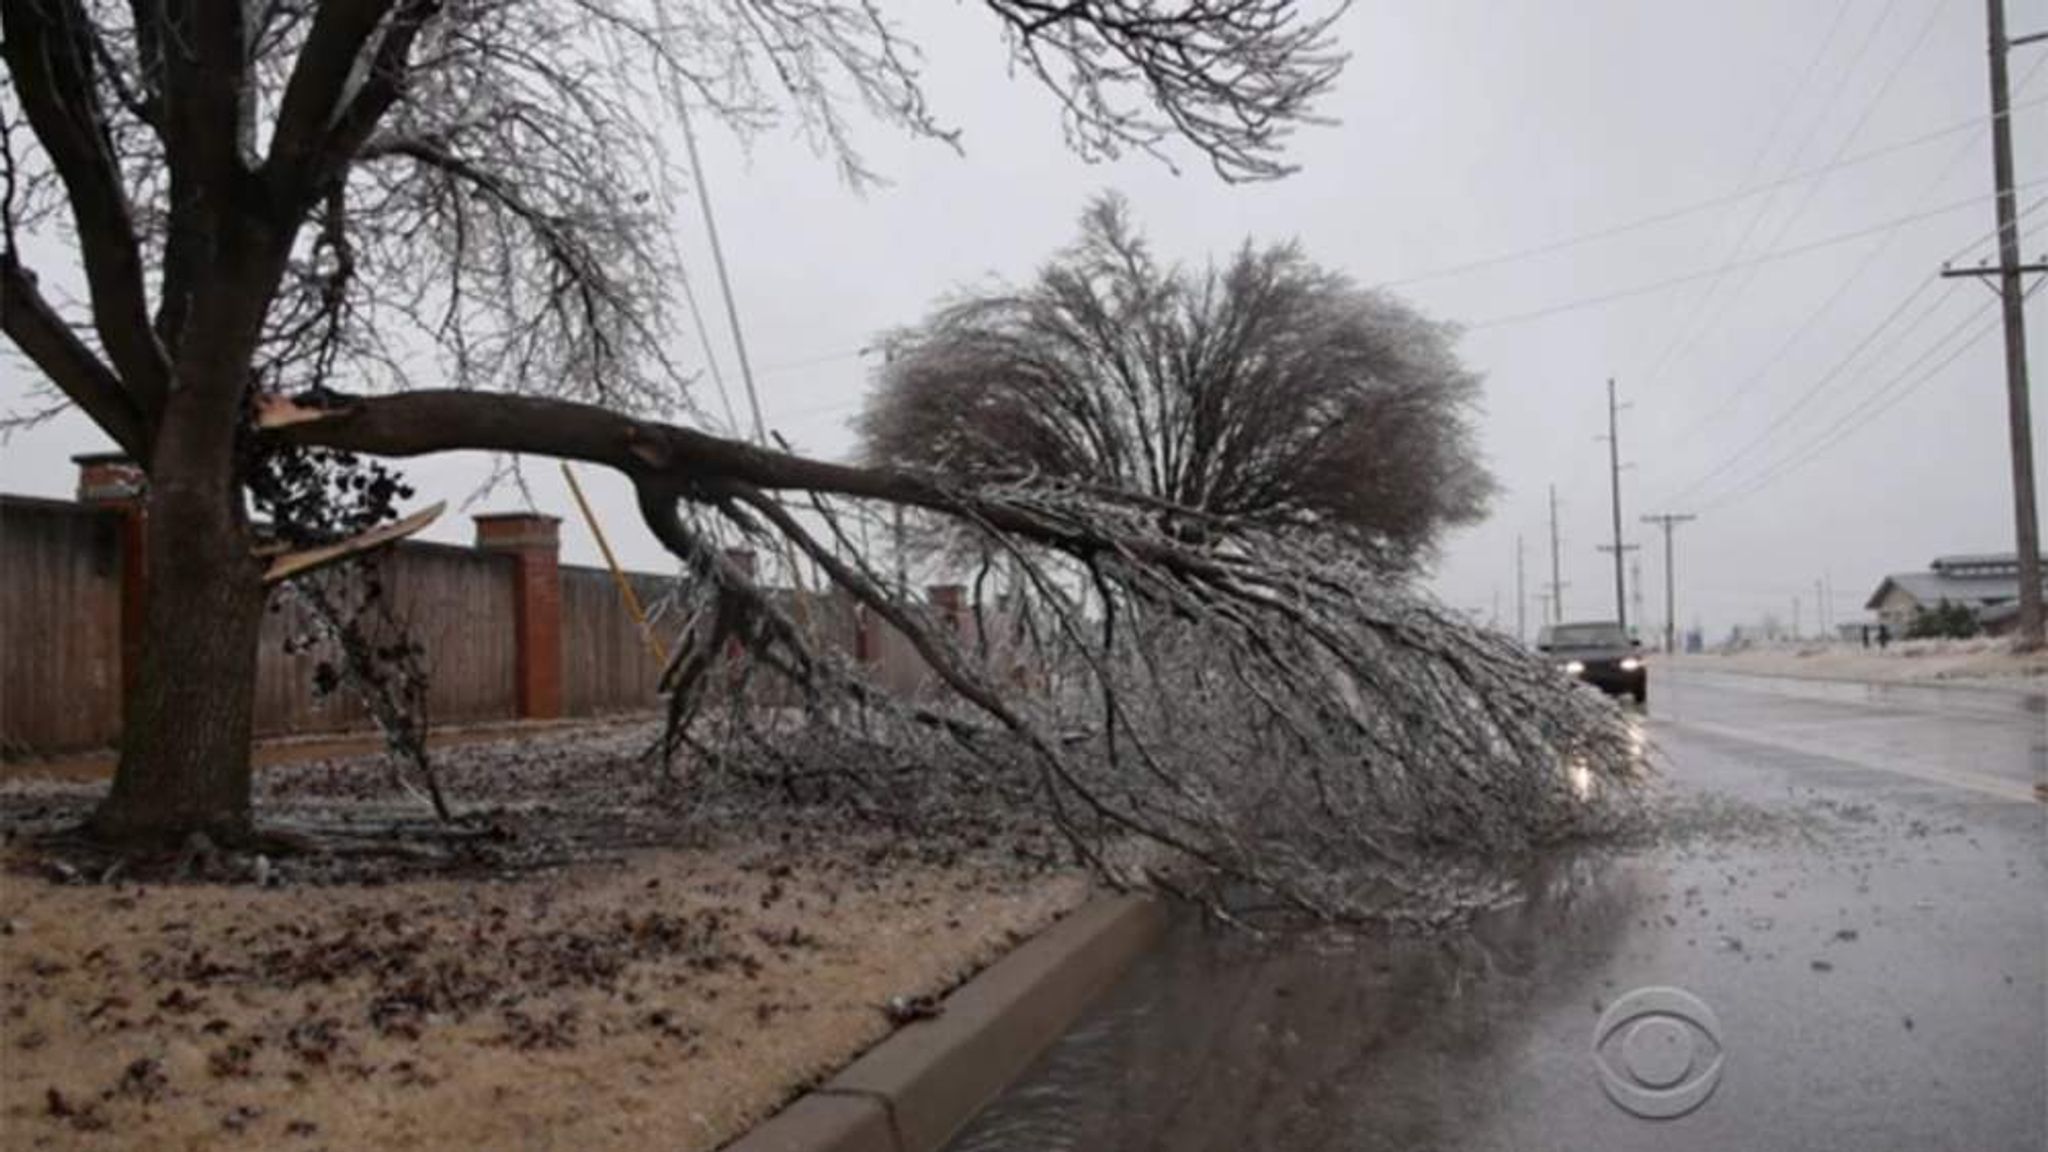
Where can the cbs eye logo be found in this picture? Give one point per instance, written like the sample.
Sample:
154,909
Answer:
1659,1052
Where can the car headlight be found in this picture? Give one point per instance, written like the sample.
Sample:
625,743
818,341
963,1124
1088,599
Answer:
1630,664
1574,667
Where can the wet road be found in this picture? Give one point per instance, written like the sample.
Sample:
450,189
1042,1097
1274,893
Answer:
1854,883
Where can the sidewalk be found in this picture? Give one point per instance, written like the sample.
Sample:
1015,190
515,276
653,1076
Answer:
1957,663
98,764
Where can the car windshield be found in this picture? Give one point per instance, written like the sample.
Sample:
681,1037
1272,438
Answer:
1588,636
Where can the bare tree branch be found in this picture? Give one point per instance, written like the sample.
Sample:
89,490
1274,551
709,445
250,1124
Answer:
1230,76
50,344
330,58
51,66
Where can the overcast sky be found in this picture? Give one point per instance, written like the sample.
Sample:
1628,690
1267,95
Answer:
1789,402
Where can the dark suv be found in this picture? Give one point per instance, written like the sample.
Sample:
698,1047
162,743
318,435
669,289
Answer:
1599,653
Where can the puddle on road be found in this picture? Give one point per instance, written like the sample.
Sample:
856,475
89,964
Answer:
1294,1039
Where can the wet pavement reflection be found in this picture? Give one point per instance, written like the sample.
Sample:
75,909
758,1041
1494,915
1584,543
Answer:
1870,944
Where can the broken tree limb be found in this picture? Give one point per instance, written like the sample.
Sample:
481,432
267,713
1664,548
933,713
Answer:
1262,706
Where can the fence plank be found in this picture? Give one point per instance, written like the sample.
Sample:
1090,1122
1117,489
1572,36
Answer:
60,626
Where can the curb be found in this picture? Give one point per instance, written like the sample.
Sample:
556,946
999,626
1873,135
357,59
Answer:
915,1089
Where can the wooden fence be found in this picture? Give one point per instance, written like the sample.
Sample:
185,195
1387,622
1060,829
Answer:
60,625
70,623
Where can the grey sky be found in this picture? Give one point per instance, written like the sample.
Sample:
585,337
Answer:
1469,129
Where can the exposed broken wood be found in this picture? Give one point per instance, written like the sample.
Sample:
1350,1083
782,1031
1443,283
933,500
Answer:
274,412
299,563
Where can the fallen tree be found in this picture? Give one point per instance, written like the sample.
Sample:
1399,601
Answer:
1268,706
273,204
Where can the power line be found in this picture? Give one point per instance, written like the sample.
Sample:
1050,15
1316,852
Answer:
732,419
1766,258
1584,238
1821,382
1805,326
832,357
732,312
1670,214
1872,407
1856,274
1709,319
1728,401
1884,395
1679,334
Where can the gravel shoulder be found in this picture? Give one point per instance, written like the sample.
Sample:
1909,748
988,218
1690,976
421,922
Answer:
1986,663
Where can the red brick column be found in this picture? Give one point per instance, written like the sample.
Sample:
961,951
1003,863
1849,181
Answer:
112,480
951,602
534,543
864,652
735,650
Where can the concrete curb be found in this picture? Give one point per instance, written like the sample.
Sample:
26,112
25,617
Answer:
915,1089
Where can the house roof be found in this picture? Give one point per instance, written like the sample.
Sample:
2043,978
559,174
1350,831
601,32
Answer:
1978,564
1931,588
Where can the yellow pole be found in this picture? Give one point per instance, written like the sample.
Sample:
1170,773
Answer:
626,592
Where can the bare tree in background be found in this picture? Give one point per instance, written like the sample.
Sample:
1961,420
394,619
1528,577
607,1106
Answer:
1268,390
403,227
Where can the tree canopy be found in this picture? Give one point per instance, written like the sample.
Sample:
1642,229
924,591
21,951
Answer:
1268,389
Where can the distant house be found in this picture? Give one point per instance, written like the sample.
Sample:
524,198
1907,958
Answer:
1988,584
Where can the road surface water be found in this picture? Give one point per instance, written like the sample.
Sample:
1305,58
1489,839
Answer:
1851,883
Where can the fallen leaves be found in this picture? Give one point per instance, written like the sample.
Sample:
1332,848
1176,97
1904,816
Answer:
412,986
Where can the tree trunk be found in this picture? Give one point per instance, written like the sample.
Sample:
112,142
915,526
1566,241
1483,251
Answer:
186,731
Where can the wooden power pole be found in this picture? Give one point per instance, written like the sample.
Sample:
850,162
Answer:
1521,598
1614,487
1669,521
1556,566
2027,531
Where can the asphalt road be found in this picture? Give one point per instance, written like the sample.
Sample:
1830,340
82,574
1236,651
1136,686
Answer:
1853,889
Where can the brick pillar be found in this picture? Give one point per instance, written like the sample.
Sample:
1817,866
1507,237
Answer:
534,543
857,638
735,649
951,602
864,624
112,480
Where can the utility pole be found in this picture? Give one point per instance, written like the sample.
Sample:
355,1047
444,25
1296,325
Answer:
1556,566
1521,598
1820,609
1614,477
1669,521
1635,580
1795,618
2027,533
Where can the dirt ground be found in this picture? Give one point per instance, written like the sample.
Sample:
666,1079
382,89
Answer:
512,988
